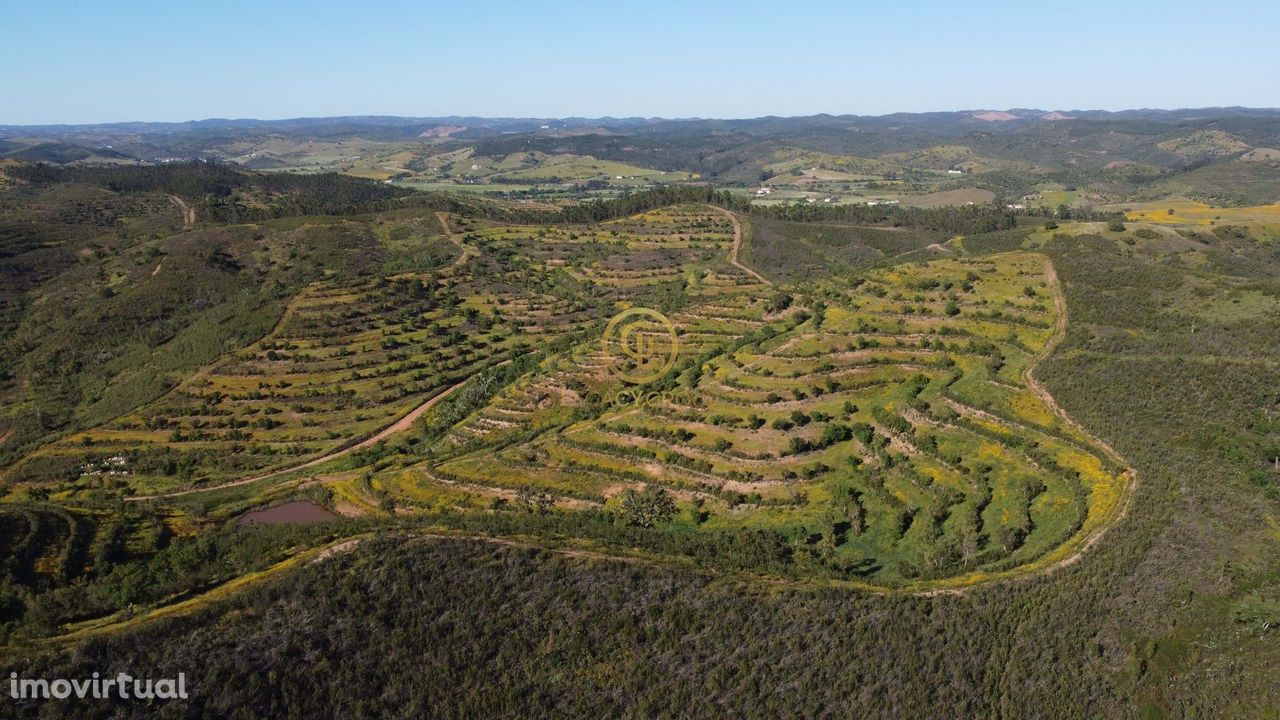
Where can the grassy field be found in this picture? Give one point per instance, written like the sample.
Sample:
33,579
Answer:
1195,213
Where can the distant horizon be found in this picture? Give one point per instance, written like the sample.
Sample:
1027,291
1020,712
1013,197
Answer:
647,118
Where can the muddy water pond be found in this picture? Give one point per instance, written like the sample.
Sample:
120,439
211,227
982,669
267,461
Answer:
297,511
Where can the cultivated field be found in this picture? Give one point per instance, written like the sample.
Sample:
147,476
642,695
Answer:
888,424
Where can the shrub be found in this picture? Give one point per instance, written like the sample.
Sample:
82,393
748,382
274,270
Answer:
647,508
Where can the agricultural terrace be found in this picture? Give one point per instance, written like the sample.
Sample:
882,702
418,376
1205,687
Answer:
675,259
349,358
48,545
880,423
889,426
345,360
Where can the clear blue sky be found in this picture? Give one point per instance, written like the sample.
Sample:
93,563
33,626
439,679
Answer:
67,62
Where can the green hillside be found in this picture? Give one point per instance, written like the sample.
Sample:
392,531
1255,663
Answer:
976,441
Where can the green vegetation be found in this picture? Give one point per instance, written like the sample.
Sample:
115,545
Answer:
1226,156
874,426
850,465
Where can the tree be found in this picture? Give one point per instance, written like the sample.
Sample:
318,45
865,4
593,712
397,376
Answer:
647,508
799,445
697,513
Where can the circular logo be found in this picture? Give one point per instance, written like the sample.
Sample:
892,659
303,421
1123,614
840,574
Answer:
640,345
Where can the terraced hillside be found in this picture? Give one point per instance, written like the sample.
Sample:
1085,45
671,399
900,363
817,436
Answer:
346,359
312,384
49,545
350,357
873,420
675,258
892,426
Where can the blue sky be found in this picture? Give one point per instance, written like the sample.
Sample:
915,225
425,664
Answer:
117,61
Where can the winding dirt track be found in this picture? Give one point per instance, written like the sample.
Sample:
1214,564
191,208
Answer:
188,212
468,252
1130,475
123,621
737,245
1059,333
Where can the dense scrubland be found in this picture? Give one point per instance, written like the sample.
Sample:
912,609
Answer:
850,494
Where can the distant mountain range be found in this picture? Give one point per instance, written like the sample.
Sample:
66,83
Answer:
505,124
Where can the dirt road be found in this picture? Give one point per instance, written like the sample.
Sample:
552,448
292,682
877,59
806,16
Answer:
737,245
1130,476
1060,332
468,252
122,621
188,212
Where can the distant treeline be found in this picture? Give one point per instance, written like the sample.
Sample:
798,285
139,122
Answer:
963,219
969,219
215,190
